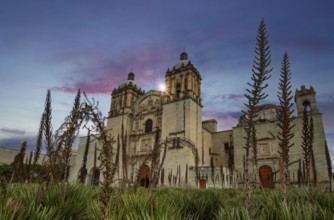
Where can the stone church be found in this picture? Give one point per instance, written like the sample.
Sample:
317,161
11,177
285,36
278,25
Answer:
176,114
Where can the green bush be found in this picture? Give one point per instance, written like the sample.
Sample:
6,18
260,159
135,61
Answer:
6,171
33,201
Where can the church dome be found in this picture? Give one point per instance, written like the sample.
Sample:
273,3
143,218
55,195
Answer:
183,60
129,81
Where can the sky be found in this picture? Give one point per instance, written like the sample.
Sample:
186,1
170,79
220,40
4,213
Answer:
65,45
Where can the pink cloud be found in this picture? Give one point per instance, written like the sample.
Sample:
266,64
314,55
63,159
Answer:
102,85
310,44
226,123
103,73
234,97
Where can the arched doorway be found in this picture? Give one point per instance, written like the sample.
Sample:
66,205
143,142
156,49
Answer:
266,176
145,177
93,177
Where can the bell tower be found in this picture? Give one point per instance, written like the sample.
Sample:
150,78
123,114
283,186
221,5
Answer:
182,109
303,97
123,97
183,81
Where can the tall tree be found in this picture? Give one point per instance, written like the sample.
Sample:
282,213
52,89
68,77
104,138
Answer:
48,137
254,94
285,123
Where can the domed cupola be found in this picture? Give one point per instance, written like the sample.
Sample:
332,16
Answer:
123,97
183,56
131,76
130,81
183,61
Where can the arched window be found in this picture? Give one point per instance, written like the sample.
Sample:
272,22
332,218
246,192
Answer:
82,174
148,126
178,90
307,105
93,178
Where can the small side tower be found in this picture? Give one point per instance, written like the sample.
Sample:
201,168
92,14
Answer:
320,171
123,97
306,96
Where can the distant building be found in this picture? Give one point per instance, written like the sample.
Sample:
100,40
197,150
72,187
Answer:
177,113
7,156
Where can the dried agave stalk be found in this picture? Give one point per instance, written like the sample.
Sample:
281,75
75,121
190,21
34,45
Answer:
254,95
74,123
162,177
285,124
49,138
186,175
222,175
38,148
155,171
90,112
124,155
118,150
83,169
311,142
170,175
96,171
28,167
212,172
307,146
18,164
179,175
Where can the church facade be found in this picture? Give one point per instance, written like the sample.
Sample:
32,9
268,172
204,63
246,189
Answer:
175,114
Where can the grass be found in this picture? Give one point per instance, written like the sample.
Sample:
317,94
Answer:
28,201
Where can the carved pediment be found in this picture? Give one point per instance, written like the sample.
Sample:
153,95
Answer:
146,144
264,135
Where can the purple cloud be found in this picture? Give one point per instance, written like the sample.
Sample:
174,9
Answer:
15,142
309,44
101,73
12,131
234,97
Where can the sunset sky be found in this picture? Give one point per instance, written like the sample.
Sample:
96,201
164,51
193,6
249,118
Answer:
64,45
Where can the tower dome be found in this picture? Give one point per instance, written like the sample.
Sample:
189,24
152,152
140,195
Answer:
183,60
131,76
183,56
130,80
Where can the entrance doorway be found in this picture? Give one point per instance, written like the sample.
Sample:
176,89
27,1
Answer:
145,177
266,176
202,184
